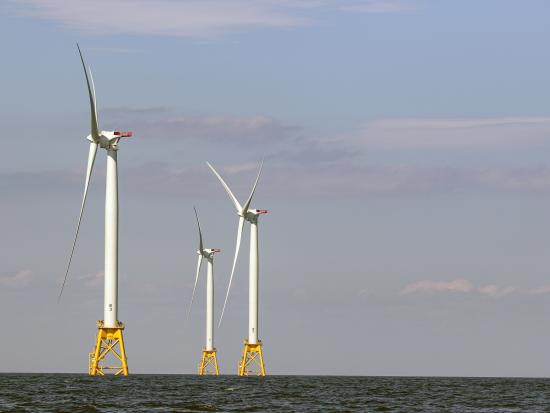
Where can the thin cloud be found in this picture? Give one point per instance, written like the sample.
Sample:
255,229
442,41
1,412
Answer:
387,134
92,280
397,133
113,50
457,123
454,133
303,163
428,286
162,17
467,287
336,177
189,18
496,291
18,279
222,128
241,167
380,6
163,123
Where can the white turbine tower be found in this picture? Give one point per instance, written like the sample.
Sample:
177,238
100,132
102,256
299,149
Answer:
209,361
109,329
252,352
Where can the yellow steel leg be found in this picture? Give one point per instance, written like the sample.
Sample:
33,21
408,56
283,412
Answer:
94,361
106,345
252,361
123,359
209,363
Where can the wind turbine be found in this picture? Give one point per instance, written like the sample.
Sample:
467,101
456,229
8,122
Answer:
252,352
209,362
109,329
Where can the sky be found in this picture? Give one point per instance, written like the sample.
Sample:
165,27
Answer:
406,176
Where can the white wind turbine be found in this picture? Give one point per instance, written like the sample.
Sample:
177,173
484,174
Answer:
252,347
209,352
110,329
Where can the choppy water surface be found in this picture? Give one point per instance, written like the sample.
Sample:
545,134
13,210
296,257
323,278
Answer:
171,393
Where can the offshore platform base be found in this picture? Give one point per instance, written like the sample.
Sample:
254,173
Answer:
209,363
109,347
252,361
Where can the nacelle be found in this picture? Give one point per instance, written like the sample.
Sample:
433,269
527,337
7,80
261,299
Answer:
110,135
208,252
123,134
109,139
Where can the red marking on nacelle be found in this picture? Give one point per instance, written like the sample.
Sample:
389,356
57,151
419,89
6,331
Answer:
216,250
123,134
261,211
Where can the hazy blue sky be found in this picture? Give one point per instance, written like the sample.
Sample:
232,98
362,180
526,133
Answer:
407,178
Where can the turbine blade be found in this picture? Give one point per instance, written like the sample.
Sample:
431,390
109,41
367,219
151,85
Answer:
91,93
95,98
237,205
91,160
201,247
247,205
199,262
239,234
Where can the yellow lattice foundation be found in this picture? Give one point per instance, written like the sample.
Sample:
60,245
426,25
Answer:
252,361
209,363
106,348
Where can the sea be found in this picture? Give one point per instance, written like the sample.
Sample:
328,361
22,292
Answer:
77,393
